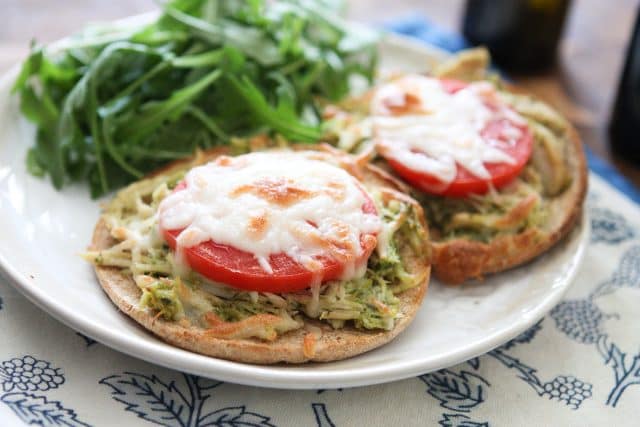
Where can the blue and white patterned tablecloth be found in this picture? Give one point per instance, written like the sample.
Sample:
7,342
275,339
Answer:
579,366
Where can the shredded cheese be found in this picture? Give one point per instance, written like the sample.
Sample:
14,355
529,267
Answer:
418,123
271,203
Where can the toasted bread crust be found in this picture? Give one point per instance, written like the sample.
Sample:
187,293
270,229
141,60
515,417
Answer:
292,347
455,261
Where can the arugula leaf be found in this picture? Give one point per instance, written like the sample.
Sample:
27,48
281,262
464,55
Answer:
282,118
113,103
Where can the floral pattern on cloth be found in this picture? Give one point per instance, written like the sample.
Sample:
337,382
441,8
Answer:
583,321
464,390
170,403
576,362
24,381
609,227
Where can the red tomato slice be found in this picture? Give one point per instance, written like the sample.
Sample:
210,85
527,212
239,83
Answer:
465,183
452,85
239,269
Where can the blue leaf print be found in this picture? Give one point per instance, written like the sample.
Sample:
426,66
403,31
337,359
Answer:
37,410
474,363
524,337
29,374
609,227
457,392
459,420
612,355
206,383
150,398
88,341
322,417
566,389
322,390
627,275
234,417
166,404
625,374
526,373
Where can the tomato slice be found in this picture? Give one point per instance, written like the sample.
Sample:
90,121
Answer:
239,269
465,183
453,85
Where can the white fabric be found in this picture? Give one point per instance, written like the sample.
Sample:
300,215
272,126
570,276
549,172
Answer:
579,367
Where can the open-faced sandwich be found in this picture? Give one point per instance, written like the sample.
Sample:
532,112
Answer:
272,256
501,176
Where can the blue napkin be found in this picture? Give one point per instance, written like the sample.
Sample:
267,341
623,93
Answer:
423,29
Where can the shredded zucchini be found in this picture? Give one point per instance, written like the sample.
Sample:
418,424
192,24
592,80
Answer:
522,204
369,302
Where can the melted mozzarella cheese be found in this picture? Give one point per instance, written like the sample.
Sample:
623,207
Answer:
427,129
271,203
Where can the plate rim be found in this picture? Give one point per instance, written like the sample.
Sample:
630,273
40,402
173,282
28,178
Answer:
296,376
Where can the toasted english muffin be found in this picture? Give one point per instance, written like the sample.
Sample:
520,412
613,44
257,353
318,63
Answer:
476,235
263,338
458,259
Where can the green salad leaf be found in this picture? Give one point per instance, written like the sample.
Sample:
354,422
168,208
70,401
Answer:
114,102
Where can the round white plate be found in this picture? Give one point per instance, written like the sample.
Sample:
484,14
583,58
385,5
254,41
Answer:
44,230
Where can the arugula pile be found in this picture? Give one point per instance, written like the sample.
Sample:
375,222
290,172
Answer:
115,103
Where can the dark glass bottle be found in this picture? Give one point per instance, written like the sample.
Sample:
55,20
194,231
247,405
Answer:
522,35
624,127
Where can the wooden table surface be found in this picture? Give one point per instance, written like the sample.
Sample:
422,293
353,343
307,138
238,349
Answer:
582,86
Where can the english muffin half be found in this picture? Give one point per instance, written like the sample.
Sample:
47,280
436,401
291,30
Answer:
505,176
332,320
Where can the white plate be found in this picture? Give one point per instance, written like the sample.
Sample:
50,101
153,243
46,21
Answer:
44,230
